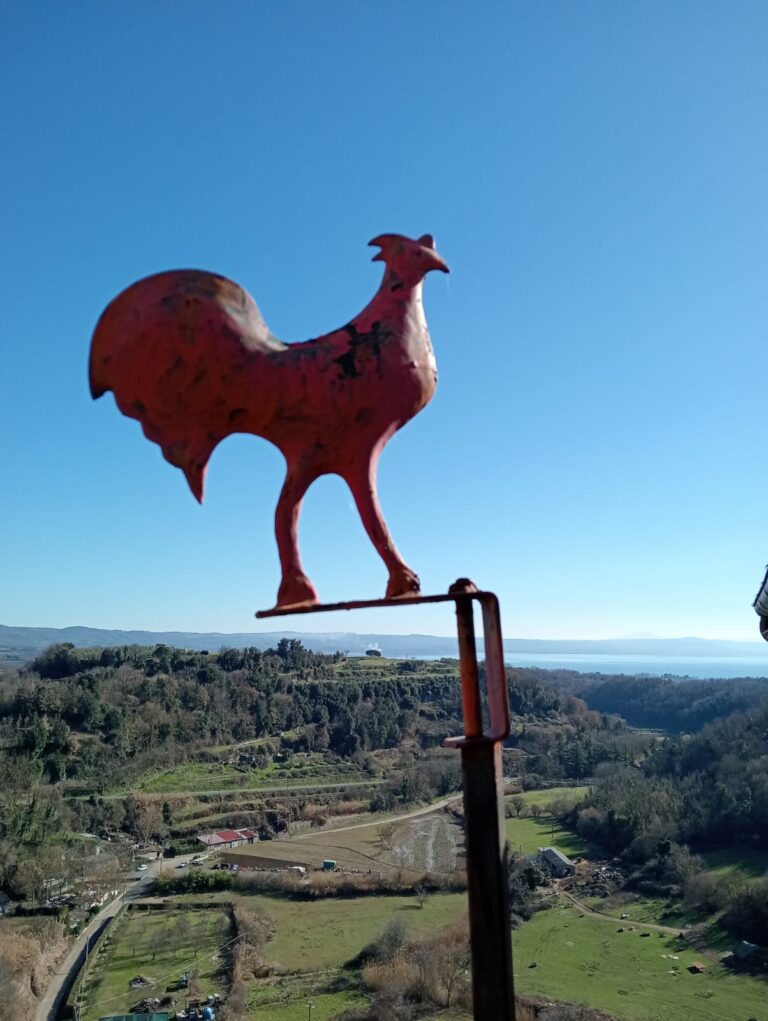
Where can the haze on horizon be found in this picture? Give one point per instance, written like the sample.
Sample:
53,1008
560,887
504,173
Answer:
593,174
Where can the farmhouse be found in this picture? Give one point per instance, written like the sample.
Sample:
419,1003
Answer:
557,863
228,838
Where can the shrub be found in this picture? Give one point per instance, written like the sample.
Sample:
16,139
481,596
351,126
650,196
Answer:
193,882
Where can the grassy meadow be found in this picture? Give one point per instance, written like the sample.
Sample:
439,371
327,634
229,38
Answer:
656,910
546,796
289,1002
737,863
586,960
325,934
526,835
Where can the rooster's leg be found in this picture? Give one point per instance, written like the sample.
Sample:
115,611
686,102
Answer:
402,580
295,586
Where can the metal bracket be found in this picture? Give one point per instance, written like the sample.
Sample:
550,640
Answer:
489,921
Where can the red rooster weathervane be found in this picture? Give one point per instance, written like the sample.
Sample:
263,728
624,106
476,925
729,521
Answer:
188,354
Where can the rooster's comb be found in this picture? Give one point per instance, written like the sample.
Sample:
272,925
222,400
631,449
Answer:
392,243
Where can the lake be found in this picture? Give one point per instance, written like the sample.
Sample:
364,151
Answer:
682,666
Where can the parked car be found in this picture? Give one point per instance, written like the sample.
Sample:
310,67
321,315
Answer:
182,865
142,868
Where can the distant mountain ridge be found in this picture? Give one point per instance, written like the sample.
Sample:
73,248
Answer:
20,644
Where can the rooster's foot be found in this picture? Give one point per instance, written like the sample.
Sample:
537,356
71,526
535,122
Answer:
403,582
295,590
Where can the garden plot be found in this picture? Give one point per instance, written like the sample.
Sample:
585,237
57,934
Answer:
426,844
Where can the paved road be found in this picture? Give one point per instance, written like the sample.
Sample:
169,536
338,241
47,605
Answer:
64,977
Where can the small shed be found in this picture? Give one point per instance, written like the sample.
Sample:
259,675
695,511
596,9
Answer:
557,863
697,968
329,864
744,950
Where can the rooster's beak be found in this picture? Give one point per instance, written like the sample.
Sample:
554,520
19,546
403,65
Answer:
438,263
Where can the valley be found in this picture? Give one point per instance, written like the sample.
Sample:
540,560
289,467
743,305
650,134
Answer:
349,891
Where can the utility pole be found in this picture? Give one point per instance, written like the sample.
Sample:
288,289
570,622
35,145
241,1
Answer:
310,1005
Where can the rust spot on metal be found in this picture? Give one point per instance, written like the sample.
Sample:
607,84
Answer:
188,353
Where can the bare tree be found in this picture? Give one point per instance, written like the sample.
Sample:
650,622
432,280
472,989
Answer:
29,879
386,833
194,986
157,941
536,809
149,820
517,801
453,964
181,933
198,931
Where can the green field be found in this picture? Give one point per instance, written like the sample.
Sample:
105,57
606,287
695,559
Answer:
526,835
585,960
737,863
205,777
151,944
294,1006
546,796
656,910
322,934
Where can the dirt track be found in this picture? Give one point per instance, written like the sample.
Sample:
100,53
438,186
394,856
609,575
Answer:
692,935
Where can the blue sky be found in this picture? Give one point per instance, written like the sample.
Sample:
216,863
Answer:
594,173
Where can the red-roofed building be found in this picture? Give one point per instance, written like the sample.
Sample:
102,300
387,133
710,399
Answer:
228,838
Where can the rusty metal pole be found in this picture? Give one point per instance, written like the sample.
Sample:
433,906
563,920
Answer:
480,745
489,921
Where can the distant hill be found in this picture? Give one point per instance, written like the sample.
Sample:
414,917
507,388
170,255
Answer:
20,644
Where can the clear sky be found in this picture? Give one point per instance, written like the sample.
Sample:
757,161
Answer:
595,174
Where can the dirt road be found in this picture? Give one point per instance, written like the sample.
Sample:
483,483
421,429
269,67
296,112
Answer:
425,810
615,918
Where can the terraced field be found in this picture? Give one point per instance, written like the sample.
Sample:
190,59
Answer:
304,770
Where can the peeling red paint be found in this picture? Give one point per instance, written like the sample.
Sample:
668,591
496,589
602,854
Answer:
188,354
